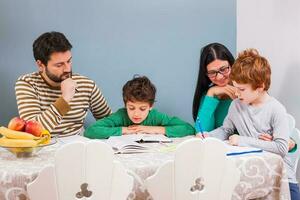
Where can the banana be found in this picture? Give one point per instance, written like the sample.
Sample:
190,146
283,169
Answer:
12,134
45,137
6,142
12,138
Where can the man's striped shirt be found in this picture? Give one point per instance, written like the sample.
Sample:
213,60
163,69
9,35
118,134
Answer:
38,100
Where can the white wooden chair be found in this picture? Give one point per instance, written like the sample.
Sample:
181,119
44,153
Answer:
296,156
291,121
200,170
295,135
82,171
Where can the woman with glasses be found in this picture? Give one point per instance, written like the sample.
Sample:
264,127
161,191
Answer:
213,93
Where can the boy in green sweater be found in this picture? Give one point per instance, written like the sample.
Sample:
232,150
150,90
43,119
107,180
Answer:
138,116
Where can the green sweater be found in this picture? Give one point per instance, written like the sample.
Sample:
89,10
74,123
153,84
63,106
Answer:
211,113
112,125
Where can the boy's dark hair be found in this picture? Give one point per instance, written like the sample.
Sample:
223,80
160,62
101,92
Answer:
48,43
139,88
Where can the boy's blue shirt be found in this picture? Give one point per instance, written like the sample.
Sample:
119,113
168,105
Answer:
112,125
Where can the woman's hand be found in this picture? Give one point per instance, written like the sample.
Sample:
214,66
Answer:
221,92
291,144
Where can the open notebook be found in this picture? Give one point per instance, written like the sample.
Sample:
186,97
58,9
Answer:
146,138
134,143
230,150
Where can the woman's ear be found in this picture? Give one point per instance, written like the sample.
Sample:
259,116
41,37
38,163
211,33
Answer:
40,65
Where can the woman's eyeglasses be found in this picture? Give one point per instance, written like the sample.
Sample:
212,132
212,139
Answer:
214,73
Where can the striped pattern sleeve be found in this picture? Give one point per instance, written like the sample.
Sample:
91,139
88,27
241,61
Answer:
29,106
98,104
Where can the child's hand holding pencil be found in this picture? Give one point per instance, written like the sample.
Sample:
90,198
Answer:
202,135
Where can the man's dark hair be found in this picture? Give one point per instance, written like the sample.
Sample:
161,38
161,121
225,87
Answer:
48,43
140,89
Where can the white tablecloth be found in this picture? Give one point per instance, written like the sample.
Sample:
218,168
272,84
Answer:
262,174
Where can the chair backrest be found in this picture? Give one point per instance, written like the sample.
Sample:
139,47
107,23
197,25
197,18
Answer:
295,135
291,121
82,171
200,170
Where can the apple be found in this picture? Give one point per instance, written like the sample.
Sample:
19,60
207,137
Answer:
17,124
33,127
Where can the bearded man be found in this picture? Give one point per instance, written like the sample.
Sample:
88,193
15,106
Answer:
54,96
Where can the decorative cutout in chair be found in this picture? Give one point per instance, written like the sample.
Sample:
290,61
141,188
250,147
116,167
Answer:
84,191
89,166
199,185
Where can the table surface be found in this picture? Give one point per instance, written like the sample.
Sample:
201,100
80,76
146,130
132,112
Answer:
262,174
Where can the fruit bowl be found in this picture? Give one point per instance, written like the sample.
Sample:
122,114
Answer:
25,152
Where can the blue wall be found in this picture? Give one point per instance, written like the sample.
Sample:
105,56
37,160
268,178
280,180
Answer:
115,39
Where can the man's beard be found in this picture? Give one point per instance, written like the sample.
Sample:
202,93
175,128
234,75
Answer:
58,79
